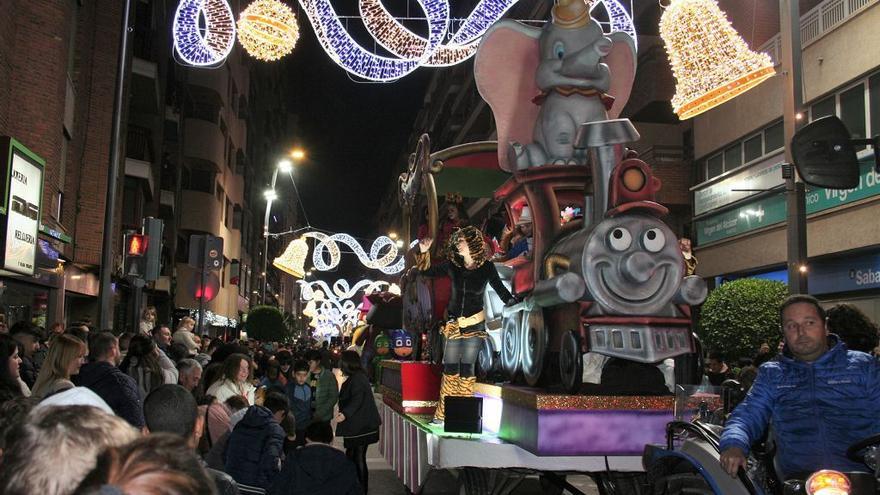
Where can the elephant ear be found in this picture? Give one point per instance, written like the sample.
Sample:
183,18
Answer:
504,69
622,63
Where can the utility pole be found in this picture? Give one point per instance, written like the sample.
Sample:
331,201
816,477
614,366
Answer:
793,103
105,295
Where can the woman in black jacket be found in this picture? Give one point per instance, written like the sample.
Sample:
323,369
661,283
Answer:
358,419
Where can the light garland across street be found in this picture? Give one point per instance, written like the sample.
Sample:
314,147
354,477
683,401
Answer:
203,32
388,263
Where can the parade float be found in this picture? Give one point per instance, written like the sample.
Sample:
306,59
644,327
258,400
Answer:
603,305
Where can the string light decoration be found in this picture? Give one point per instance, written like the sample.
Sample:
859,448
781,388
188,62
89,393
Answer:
293,259
203,32
388,263
341,288
267,30
711,63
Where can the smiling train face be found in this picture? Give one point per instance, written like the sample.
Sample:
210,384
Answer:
632,264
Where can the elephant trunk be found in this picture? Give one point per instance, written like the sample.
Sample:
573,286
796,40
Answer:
584,64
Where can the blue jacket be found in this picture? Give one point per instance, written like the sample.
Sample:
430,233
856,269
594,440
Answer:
300,403
817,409
254,448
118,390
317,469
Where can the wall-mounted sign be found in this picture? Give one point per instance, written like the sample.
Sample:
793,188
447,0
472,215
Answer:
22,204
759,177
849,273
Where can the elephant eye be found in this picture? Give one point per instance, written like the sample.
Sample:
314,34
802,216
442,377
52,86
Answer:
559,50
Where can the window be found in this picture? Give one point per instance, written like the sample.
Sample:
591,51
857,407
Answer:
733,157
228,215
852,111
752,149
874,97
220,194
236,217
201,180
715,166
823,108
774,138
131,203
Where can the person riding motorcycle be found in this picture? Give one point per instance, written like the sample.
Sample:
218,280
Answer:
819,396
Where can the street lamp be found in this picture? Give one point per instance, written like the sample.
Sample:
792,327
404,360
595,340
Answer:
285,166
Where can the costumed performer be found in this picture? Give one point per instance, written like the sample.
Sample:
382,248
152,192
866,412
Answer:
470,270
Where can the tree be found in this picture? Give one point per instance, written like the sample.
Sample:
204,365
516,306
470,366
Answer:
265,323
739,316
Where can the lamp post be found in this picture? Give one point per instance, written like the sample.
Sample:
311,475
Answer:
284,166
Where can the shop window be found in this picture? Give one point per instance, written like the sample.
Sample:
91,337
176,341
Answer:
752,149
852,111
823,108
733,157
874,97
714,166
774,138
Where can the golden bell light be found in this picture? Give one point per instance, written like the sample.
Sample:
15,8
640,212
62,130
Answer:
293,258
711,63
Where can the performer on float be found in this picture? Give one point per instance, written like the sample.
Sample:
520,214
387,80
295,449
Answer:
470,270
690,261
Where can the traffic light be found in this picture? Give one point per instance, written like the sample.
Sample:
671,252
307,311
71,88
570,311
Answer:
134,257
212,287
152,228
213,253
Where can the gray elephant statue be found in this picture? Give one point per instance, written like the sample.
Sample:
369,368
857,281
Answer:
542,83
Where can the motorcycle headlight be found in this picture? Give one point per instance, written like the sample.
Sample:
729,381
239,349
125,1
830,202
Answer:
828,482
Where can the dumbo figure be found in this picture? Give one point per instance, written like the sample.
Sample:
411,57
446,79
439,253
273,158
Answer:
543,83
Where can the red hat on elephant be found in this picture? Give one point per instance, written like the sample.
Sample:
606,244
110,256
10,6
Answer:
633,186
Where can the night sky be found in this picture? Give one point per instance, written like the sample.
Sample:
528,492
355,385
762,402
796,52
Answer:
354,134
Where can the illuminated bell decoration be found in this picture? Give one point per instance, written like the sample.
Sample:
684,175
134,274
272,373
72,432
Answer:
267,30
710,61
294,258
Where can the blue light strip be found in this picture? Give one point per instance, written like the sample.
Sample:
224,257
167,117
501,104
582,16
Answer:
208,46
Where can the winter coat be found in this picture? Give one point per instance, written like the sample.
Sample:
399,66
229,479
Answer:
316,469
817,409
27,371
326,396
118,390
357,403
469,286
300,397
186,338
255,447
225,388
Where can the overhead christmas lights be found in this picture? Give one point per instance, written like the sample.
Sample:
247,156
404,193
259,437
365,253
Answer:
341,288
710,61
387,263
267,30
203,32
293,259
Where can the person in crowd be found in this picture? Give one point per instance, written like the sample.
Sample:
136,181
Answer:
317,468
325,392
358,418
300,395
79,331
147,321
717,369
285,360
13,412
235,379
155,464
177,352
256,444
816,385
162,337
29,339
853,327
274,379
764,354
56,329
172,409
66,355
119,391
53,448
184,335
236,407
124,342
189,374
143,363
11,384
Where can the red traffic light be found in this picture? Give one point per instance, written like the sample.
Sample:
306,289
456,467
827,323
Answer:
212,287
136,245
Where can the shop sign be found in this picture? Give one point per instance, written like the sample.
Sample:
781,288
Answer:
22,205
754,215
759,177
770,210
850,273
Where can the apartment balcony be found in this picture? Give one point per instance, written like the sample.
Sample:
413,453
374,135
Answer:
213,80
203,139
200,212
139,156
145,93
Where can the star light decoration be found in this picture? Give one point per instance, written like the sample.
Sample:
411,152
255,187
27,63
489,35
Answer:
710,61
203,32
267,30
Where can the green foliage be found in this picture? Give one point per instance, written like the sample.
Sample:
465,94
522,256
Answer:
266,323
738,316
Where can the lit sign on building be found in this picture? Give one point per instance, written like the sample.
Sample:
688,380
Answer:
22,201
